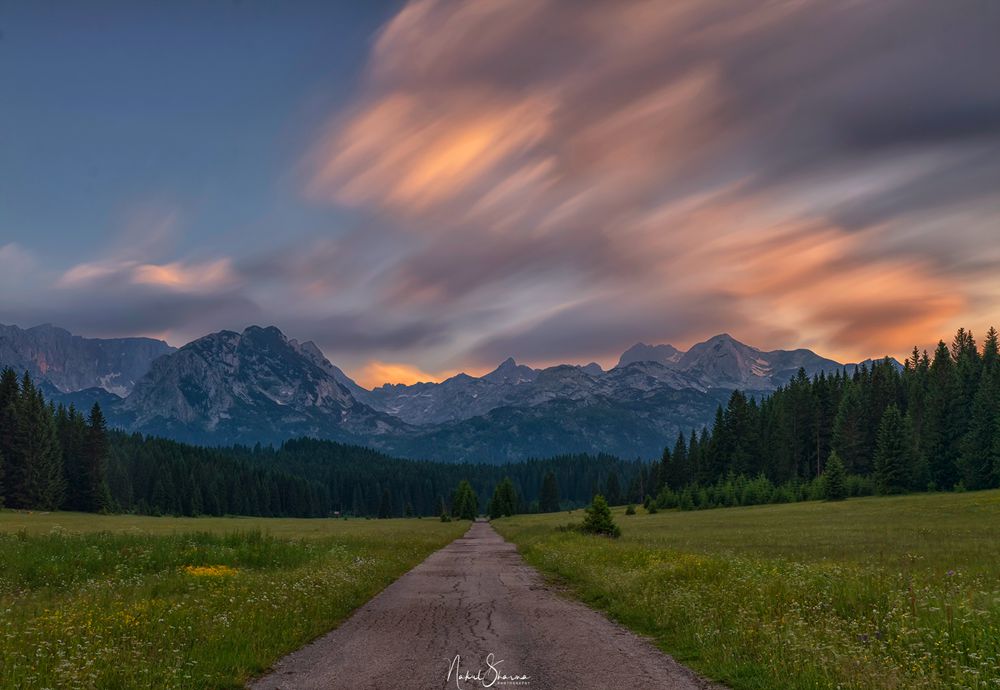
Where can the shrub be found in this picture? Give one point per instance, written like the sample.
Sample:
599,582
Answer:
630,510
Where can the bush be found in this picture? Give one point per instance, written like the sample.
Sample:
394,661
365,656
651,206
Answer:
598,519
630,510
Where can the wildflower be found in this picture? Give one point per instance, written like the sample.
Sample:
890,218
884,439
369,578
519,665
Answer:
210,570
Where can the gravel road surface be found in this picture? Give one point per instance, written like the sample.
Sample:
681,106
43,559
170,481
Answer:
477,610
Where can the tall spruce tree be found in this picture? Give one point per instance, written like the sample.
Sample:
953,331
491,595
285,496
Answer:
72,431
39,482
612,489
548,501
504,501
942,420
893,453
9,393
978,454
94,454
848,432
465,502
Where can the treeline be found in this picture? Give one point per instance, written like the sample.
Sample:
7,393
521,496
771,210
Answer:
933,424
363,482
312,478
50,457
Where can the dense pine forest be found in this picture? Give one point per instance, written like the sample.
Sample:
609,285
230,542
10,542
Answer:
933,424
311,478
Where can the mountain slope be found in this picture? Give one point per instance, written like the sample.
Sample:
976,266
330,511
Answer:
724,362
636,428
641,352
72,363
244,387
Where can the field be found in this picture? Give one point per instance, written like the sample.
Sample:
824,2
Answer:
869,593
91,601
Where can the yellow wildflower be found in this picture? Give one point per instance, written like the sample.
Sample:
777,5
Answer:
210,570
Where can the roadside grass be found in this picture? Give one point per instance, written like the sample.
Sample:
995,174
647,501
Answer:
90,601
872,593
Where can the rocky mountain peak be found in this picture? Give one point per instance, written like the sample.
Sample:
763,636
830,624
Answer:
228,376
511,372
641,352
71,363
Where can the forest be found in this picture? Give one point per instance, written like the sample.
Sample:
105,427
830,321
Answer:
931,425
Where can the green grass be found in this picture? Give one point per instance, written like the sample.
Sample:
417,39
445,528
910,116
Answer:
90,601
869,593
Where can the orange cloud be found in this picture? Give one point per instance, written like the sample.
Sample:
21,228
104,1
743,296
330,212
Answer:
177,276
189,277
810,277
407,152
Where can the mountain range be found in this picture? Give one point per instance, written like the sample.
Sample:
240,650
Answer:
260,386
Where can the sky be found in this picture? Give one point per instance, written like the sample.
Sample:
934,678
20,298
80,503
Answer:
429,187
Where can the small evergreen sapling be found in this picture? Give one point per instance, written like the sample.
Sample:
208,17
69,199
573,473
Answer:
598,519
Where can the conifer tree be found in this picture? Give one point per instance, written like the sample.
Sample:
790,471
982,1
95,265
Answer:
662,470
72,431
10,397
834,479
39,482
679,472
612,489
94,453
848,432
504,501
465,503
978,455
548,501
597,519
893,453
942,420
385,504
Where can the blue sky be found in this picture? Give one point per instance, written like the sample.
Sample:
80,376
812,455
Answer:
113,109
426,186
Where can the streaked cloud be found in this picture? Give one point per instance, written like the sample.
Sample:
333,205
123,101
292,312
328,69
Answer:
177,276
689,167
558,179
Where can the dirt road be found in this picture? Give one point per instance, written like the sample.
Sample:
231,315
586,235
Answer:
470,600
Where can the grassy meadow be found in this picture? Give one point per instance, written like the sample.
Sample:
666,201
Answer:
872,593
90,601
